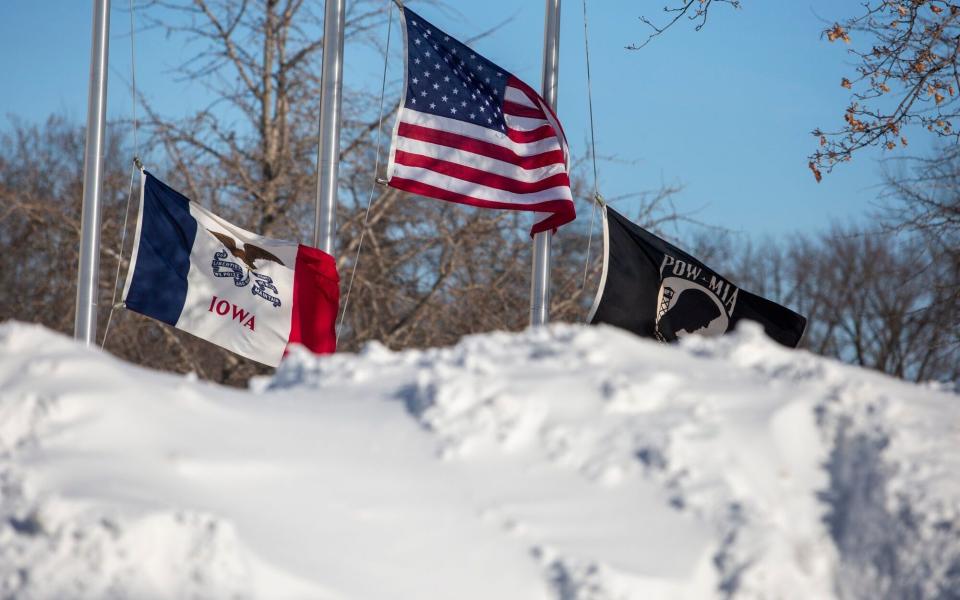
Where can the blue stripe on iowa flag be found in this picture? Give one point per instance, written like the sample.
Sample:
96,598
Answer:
167,232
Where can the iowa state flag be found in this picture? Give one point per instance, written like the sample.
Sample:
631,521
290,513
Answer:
247,293
654,289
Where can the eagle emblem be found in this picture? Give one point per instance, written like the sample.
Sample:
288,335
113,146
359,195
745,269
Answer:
249,254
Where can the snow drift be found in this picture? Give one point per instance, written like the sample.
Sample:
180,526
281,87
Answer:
568,463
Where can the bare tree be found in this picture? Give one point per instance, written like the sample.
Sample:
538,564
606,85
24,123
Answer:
696,11
874,299
906,74
924,197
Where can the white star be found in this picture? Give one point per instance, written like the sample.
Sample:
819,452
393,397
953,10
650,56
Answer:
446,38
437,66
436,47
487,80
456,91
432,105
436,86
503,128
496,92
417,41
413,100
454,51
473,96
447,79
482,109
424,94
427,53
489,120
473,115
444,98
499,74
463,104
473,56
415,81
479,67
453,111
426,73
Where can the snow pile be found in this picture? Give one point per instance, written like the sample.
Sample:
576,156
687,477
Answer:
568,463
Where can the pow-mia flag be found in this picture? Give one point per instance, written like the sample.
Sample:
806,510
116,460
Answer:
654,289
250,294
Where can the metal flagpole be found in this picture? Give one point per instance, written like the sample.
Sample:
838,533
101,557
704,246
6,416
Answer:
85,325
540,280
328,151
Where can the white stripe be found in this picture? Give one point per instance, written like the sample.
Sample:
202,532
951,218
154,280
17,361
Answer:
524,123
478,161
475,190
516,95
477,132
561,137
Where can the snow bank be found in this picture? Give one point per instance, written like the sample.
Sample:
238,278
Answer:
569,463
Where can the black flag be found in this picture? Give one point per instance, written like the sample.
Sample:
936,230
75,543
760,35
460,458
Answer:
654,289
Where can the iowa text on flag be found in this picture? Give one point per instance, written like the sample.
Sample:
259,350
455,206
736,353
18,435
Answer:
247,293
470,132
656,290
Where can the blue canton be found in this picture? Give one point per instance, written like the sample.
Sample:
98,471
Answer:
448,79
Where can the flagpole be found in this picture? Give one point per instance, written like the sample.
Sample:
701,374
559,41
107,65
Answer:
85,323
540,279
328,150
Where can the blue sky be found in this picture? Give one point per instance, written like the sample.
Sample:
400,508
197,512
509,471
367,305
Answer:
726,112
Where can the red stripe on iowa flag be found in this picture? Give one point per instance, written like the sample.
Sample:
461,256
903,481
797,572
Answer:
316,299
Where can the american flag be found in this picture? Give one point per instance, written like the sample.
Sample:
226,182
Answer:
470,132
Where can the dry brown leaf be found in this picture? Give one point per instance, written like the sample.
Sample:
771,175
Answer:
837,33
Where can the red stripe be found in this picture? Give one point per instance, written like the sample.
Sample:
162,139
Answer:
534,135
316,300
563,210
519,110
557,219
469,144
538,100
485,178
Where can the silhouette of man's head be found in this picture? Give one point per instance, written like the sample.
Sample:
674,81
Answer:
694,310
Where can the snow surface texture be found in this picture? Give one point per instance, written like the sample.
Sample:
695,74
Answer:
567,463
